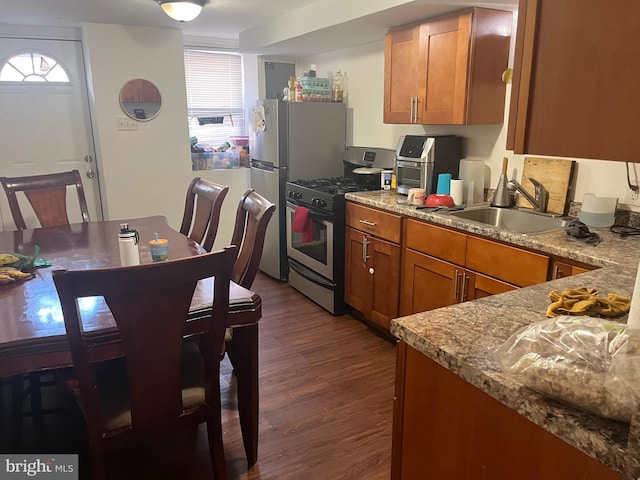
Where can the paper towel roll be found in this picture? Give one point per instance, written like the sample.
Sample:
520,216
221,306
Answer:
634,312
457,191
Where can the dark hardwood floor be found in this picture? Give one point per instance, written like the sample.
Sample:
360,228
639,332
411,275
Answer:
326,394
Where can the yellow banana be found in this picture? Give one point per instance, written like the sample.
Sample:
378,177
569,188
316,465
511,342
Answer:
14,272
8,259
6,279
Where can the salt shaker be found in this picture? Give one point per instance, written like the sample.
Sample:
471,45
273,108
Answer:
128,243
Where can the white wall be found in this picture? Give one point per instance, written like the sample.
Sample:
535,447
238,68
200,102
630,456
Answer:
364,66
146,171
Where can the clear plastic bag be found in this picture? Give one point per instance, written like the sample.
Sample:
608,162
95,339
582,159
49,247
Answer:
587,362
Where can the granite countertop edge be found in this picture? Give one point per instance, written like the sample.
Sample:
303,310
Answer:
460,337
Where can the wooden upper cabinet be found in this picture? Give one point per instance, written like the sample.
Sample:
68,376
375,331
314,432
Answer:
400,75
576,75
448,70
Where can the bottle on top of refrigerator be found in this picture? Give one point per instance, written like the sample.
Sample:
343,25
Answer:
292,88
298,91
337,88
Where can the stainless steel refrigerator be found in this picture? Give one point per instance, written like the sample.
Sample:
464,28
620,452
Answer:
292,141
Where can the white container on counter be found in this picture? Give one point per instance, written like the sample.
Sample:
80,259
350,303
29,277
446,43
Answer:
472,172
598,211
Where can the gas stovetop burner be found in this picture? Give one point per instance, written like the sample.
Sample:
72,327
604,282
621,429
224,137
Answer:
332,186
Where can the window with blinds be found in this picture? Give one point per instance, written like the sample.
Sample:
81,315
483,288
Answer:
215,96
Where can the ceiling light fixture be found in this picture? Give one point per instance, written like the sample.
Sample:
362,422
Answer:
182,10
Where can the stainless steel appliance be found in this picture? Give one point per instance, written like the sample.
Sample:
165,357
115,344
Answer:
290,141
316,257
421,158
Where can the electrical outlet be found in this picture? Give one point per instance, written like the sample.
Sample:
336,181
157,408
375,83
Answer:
126,123
632,198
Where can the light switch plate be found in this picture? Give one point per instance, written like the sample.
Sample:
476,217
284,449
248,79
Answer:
126,123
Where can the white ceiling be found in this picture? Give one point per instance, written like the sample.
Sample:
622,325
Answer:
260,21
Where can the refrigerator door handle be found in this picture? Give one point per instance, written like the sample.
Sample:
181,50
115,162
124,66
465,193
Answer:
260,165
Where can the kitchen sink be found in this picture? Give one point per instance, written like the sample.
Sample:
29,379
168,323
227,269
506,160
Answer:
512,220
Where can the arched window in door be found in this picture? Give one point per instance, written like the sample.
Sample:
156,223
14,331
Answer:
33,67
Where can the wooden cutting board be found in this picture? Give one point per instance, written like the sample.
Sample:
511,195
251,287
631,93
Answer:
556,175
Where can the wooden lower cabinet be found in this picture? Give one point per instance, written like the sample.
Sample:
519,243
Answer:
561,269
429,283
372,276
445,428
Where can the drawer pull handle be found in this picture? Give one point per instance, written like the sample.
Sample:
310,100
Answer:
368,223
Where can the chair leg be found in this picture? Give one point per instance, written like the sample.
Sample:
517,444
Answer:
17,400
214,426
243,354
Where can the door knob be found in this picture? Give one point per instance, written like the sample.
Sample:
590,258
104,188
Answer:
90,174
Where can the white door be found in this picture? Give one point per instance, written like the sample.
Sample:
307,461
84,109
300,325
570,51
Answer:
44,121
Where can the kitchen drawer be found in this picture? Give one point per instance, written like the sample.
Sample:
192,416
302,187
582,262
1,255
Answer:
436,241
387,226
506,263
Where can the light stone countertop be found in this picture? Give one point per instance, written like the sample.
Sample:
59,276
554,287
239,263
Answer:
461,337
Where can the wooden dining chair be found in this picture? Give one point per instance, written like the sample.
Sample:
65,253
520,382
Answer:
202,211
252,218
47,195
161,384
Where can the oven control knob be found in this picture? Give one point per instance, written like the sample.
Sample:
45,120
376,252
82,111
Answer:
297,195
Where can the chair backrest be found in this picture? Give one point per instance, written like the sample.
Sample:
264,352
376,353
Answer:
252,218
150,304
47,195
202,211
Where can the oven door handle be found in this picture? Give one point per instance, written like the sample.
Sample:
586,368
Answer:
313,213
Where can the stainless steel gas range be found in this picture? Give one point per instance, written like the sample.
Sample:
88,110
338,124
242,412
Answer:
315,226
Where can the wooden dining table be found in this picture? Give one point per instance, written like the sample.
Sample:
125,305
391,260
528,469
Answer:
32,332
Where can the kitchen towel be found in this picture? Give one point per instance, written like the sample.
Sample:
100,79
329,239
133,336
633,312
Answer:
303,224
576,230
585,301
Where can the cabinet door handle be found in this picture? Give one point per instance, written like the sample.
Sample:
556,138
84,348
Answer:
414,109
365,244
368,223
411,110
463,290
455,285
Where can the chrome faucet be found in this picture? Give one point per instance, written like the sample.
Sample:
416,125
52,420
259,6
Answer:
539,203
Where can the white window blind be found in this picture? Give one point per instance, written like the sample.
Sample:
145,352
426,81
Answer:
214,89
